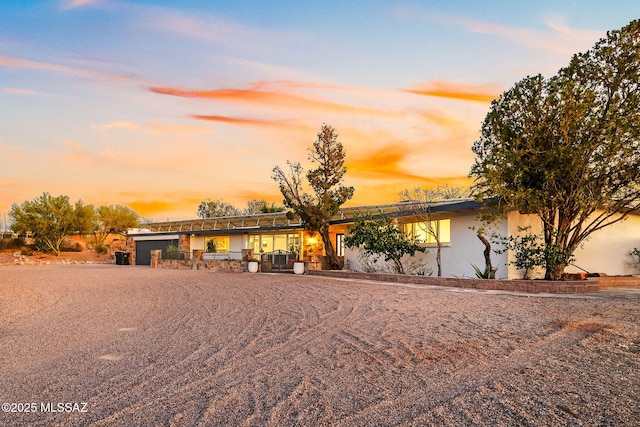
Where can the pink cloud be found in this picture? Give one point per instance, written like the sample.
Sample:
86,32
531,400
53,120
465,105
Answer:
15,91
20,63
73,4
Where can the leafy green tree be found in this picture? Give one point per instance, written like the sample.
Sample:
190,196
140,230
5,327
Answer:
421,203
215,208
316,209
567,148
51,219
381,236
112,219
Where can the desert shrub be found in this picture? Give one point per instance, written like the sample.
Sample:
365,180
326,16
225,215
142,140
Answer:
369,263
16,243
484,274
635,253
172,252
70,246
102,249
417,267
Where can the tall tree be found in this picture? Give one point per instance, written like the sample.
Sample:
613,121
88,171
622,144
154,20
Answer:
422,202
51,219
316,209
214,208
568,148
112,219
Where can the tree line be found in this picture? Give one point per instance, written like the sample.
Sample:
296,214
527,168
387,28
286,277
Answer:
50,220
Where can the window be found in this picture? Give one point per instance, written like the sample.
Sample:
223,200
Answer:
426,232
273,242
340,244
216,244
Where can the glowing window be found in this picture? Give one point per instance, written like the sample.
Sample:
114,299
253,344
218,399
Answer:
429,232
216,244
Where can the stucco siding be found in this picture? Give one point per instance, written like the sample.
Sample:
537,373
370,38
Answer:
458,256
608,250
466,249
605,251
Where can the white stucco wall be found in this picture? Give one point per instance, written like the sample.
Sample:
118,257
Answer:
457,256
237,242
466,249
196,242
605,251
608,250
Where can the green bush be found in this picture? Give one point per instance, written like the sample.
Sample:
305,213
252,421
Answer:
173,252
530,252
635,253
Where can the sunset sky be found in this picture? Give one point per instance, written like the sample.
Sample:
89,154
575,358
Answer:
159,105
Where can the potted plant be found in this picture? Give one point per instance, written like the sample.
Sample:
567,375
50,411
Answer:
253,265
298,267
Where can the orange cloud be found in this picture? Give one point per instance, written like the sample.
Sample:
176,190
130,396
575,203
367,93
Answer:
271,98
241,121
388,192
441,89
154,208
384,162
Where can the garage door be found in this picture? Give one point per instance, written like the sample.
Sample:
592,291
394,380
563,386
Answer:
144,248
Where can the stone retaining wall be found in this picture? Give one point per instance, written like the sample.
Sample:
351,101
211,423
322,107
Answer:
211,265
529,286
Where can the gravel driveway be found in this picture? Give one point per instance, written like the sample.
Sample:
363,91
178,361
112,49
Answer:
107,345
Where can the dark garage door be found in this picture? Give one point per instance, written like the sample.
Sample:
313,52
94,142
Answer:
144,248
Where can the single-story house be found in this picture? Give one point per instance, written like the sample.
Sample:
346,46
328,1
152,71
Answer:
281,239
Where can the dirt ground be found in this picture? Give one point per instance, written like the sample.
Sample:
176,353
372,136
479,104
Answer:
14,257
145,347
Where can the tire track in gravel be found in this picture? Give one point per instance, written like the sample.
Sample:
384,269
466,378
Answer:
176,377
406,409
219,381
314,325
202,348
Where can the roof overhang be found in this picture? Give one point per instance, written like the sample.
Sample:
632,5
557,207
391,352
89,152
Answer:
281,221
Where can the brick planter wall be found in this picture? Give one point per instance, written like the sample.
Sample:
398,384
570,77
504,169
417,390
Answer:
619,281
529,286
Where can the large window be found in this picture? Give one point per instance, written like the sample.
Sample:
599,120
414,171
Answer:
429,232
216,244
273,242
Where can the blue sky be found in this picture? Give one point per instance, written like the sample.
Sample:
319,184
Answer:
161,104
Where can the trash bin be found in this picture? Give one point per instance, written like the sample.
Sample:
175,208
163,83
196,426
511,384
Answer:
122,258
